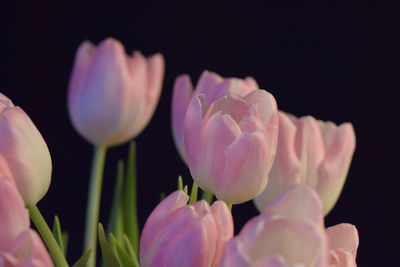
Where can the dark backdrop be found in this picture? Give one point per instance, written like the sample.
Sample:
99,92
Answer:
337,62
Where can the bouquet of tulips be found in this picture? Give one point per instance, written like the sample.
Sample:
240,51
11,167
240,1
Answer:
237,145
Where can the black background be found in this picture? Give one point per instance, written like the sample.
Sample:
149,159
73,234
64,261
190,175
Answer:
337,61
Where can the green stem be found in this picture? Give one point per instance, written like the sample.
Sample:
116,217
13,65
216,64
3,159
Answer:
45,232
93,203
207,197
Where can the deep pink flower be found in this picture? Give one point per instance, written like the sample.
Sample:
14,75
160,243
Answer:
177,234
112,96
24,151
213,87
230,142
19,245
310,152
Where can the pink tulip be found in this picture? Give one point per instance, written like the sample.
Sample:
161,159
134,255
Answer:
112,96
230,144
213,87
343,243
290,232
19,245
310,152
24,151
176,234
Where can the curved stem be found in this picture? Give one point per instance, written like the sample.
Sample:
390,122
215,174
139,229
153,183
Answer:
45,232
93,203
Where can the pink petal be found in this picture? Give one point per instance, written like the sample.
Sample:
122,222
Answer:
181,96
310,149
152,92
224,222
343,236
14,218
207,84
246,167
193,127
299,203
286,168
334,168
82,62
26,154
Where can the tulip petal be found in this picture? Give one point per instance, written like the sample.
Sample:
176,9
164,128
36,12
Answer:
14,218
207,84
247,155
155,74
299,203
26,154
224,222
343,236
286,169
181,96
334,168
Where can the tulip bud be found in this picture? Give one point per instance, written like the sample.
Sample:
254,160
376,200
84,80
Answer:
24,151
176,234
310,152
343,244
112,96
19,245
230,145
290,232
213,87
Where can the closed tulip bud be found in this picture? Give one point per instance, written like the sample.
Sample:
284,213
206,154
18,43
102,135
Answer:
24,151
230,145
213,87
112,96
19,245
177,234
343,244
310,152
290,232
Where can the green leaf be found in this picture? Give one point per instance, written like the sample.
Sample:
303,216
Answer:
57,233
128,247
109,257
123,255
193,193
65,238
131,227
180,183
83,259
115,223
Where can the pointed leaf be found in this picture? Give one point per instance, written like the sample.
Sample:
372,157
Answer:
193,193
109,258
65,238
57,232
131,227
162,196
83,259
128,247
180,183
123,255
115,224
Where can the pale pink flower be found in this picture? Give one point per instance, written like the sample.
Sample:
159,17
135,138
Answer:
112,96
19,245
310,152
24,151
343,244
230,143
213,87
177,234
290,232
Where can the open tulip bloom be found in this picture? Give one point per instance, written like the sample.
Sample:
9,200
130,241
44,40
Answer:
237,146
